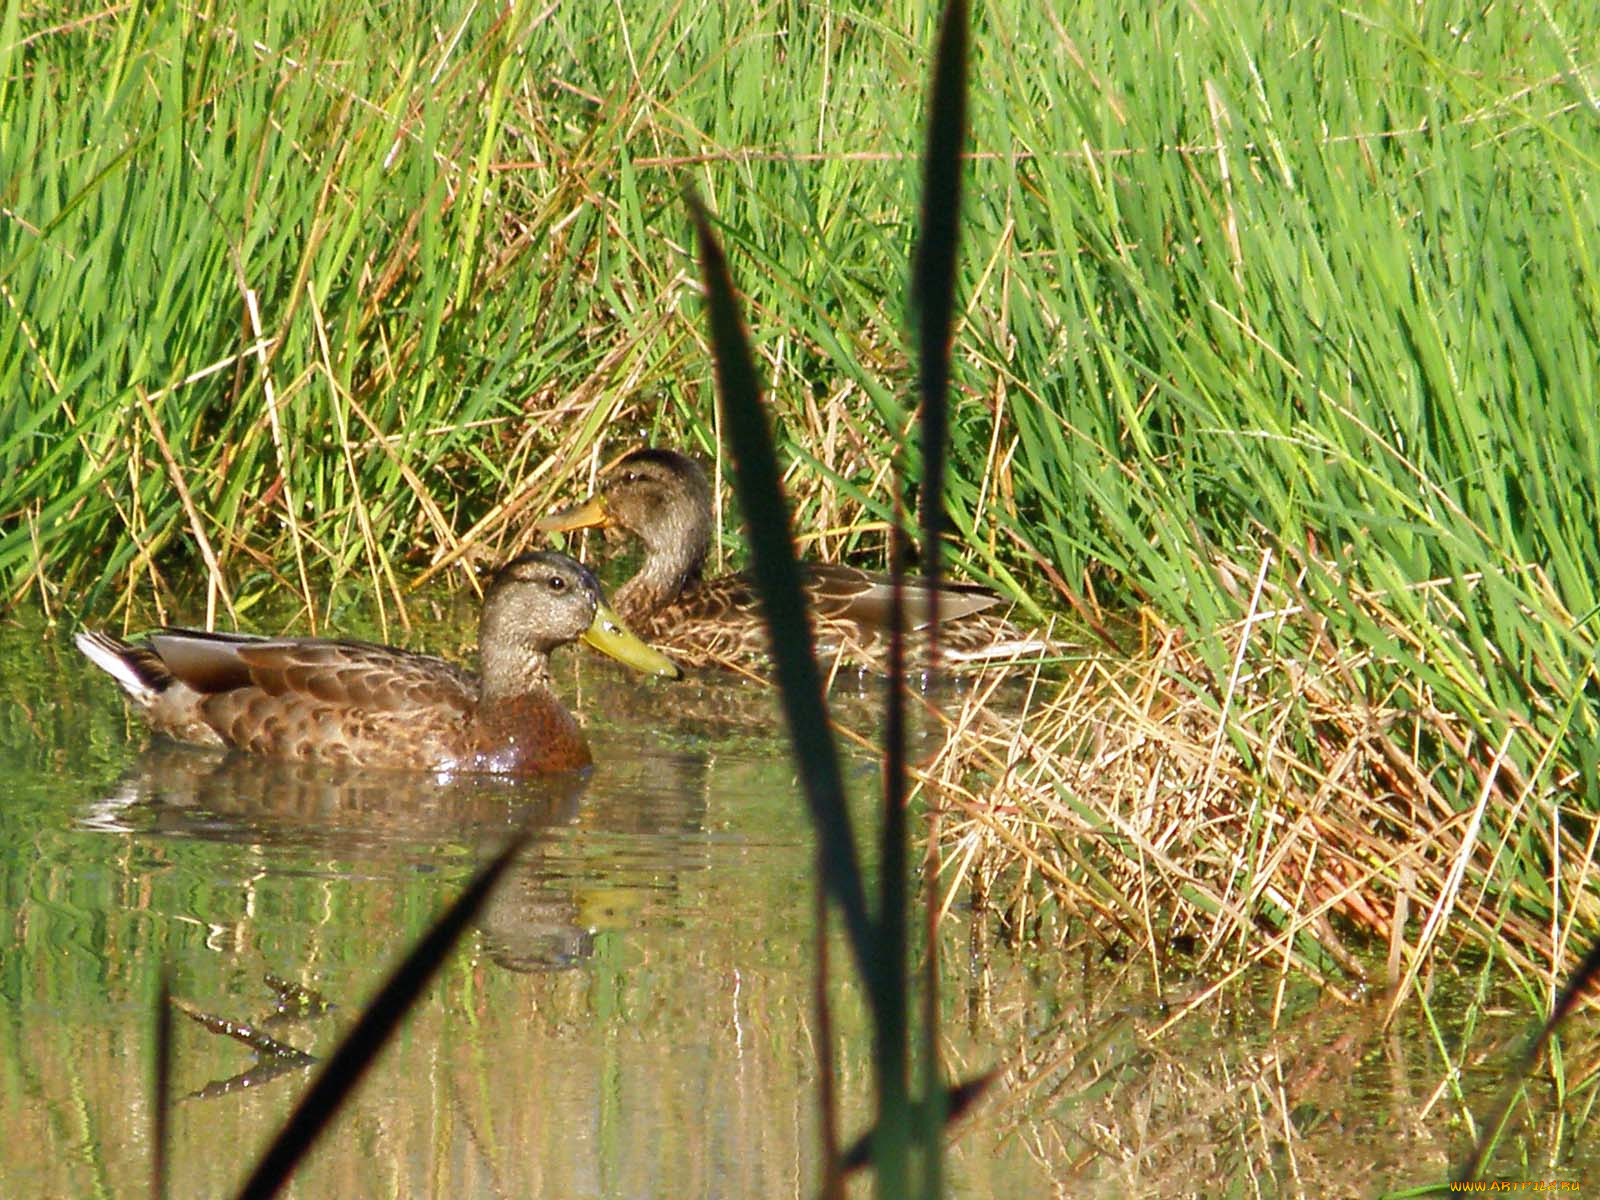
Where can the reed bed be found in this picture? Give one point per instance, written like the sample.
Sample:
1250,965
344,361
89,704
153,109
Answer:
1263,816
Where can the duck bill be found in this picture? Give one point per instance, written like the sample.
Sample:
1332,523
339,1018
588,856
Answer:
607,634
587,515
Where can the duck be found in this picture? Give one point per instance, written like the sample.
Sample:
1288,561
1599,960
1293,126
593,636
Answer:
663,498
374,706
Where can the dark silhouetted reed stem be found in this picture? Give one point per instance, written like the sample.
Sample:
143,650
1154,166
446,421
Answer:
777,576
880,946
891,1032
933,302
933,279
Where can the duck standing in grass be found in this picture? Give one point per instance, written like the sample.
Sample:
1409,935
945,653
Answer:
664,499
376,706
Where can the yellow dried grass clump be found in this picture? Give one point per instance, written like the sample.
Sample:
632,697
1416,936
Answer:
1271,814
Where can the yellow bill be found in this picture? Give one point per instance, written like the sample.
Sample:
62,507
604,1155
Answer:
586,515
607,634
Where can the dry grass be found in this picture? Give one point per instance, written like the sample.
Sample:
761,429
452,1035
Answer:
1272,815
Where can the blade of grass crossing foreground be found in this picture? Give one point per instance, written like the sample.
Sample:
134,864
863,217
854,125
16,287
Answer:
933,301
777,575
379,1020
891,1031
934,274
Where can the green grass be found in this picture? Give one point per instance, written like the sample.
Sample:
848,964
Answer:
1320,284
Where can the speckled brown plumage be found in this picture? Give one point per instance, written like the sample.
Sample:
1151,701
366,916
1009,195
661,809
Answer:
376,706
664,499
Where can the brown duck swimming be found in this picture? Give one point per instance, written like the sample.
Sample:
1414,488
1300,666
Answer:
376,706
664,499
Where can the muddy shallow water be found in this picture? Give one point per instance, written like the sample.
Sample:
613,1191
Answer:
633,1014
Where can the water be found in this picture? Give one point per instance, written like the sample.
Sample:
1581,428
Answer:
633,1016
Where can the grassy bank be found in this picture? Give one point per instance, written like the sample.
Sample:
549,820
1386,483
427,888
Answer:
1282,334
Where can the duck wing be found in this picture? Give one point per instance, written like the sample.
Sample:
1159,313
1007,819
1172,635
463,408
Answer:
351,674
841,593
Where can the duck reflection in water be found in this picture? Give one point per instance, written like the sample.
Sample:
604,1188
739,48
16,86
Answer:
357,814
357,824
598,838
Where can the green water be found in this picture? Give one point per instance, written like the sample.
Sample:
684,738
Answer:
633,1016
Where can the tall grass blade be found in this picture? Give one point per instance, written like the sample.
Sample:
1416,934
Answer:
933,302
891,1030
777,576
1577,984
378,1022
934,275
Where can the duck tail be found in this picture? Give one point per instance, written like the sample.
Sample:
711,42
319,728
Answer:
137,669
